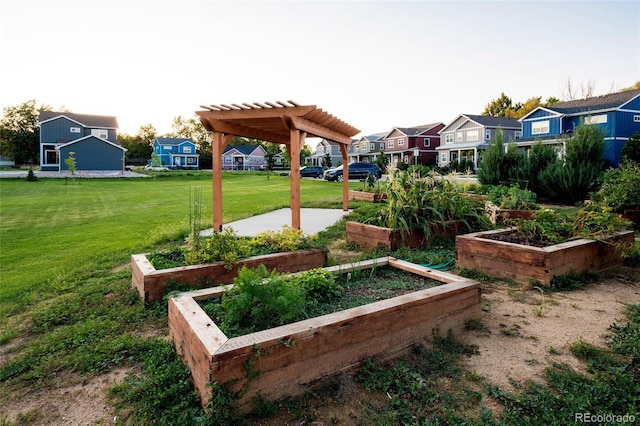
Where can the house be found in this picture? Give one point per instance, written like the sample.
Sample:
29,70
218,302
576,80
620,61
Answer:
617,114
413,145
92,139
323,148
243,157
176,153
367,148
467,136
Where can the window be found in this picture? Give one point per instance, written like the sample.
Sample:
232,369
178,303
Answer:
487,134
517,134
401,142
167,147
636,118
472,135
186,149
443,158
448,138
459,137
427,142
382,146
100,133
191,160
390,143
540,127
596,119
372,147
74,129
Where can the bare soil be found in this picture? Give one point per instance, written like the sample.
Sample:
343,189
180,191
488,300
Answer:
524,330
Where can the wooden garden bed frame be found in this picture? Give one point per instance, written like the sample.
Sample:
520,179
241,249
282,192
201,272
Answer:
372,236
374,197
151,283
523,263
286,360
497,215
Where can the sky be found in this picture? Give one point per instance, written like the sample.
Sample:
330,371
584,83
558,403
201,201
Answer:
373,64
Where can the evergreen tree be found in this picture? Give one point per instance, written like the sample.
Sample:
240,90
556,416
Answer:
631,150
490,170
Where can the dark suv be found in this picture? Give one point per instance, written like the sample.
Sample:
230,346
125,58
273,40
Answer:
311,171
356,171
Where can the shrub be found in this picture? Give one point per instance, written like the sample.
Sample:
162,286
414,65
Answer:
288,239
631,149
221,246
489,172
31,177
512,198
620,189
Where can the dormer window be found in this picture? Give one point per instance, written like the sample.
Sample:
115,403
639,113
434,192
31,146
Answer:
186,149
74,129
540,127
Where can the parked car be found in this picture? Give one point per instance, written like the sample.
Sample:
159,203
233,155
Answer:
311,171
356,171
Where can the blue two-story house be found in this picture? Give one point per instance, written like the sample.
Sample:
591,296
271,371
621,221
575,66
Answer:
91,138
616,114
176,153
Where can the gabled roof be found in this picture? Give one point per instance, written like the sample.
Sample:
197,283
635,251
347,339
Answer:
597,103
608,102
376,136
417,130
90,137
86,120
243,149
486,121
489,121
173,141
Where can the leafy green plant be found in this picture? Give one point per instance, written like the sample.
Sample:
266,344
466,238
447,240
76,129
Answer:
416,202
620,188
221,246
512,198
287,239
260,298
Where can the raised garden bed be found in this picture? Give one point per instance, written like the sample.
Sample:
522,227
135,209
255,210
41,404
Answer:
286,360
372,236
525,262
367,196
151,283
497,215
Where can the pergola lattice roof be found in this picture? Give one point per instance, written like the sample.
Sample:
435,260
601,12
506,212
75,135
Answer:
273,121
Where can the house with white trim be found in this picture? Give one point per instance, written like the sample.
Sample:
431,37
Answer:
91,138
616,114
467,136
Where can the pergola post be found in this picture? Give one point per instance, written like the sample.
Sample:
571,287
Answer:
220,141
344,150
296,140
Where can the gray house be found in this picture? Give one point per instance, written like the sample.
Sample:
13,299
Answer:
92,139
367,148
467,136
324,147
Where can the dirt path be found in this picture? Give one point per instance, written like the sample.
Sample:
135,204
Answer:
523,330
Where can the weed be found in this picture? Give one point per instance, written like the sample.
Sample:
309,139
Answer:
539,310
553,351
475,325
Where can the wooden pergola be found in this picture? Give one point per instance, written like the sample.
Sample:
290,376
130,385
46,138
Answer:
285,123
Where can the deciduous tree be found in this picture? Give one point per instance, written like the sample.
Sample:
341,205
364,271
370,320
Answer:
19,132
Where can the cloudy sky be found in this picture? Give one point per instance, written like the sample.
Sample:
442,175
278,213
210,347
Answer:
373,64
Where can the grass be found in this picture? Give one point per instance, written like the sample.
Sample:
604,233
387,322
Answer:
56,235
68,312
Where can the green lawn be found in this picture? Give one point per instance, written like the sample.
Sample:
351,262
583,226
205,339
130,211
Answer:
55,233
